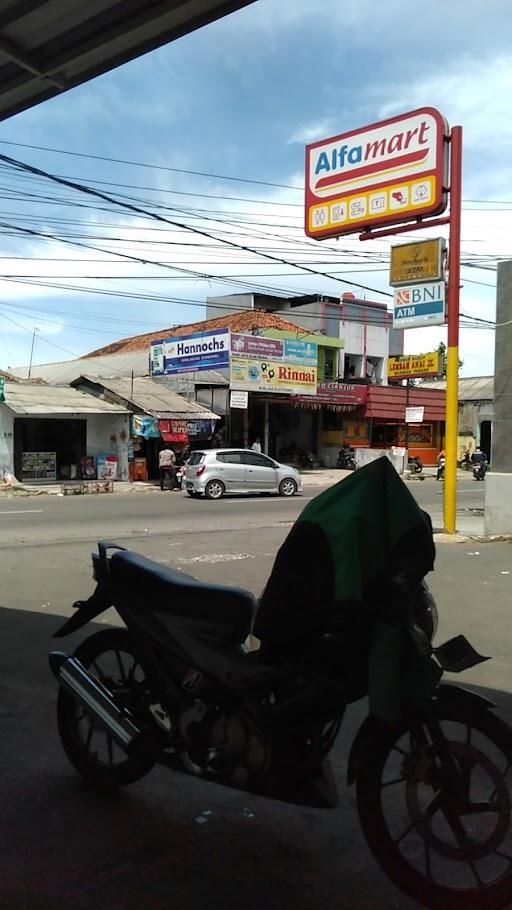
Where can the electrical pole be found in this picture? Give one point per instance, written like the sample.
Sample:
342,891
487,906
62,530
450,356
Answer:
32,350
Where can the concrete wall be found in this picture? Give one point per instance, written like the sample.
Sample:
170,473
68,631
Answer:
502,429
100,429
6,439
498,503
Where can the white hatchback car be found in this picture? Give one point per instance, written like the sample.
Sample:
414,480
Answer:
216,472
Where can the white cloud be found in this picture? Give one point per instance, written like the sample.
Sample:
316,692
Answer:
310,132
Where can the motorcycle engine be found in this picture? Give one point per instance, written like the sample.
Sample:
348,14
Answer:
228,745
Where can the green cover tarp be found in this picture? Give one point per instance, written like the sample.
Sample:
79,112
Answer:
349,566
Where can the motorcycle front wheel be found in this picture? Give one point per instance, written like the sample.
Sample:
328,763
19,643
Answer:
442,851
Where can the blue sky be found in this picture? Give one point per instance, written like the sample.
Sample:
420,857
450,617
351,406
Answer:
240,98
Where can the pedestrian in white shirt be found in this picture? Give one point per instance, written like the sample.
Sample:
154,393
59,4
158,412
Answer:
167,465
256,446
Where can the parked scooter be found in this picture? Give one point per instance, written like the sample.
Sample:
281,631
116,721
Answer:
176,687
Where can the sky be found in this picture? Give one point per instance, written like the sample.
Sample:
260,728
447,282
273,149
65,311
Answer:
239,99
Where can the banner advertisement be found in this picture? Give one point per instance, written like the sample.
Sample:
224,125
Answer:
107,467
410,366
343,395
189,353
173,430
272,376
39,466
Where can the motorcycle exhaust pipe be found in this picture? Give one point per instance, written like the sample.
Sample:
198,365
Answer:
98,703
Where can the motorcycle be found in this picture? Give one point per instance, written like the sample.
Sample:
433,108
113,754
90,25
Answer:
177,687
346,460
305,460
479,470
415,465
465,463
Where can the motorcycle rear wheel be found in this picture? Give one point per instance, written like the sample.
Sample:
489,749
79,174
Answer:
428,853
111,658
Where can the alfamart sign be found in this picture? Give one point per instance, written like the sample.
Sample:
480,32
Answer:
384,173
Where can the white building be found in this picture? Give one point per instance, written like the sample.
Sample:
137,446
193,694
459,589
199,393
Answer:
45,431
365,326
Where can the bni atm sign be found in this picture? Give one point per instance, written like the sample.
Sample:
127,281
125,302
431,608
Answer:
420,305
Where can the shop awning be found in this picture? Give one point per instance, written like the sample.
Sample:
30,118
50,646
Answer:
148,396
48,401
389,402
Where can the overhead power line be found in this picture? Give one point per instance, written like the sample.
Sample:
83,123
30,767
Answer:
195,230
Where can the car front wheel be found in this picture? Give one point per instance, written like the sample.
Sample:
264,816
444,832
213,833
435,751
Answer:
287,487
214,490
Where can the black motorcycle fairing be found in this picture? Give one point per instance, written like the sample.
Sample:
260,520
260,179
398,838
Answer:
448,695
86,610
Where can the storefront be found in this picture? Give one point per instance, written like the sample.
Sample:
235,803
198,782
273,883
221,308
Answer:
158,415
339,407
386,410
54,433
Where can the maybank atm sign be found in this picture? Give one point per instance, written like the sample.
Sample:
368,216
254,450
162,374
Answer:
190,353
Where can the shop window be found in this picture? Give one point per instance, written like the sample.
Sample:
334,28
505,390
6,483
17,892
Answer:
330,363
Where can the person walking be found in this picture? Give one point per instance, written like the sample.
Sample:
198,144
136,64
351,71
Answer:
256,446
167,466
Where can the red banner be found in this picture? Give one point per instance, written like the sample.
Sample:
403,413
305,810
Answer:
173,430
336,394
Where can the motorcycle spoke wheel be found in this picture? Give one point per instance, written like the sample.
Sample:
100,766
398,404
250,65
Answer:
444,849
110,657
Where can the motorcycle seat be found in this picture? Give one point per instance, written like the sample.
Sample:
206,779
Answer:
153,586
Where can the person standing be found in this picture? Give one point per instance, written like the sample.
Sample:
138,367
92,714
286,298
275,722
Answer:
167,466
256,446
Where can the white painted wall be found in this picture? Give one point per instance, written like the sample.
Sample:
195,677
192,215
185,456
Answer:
498,503
6,439
100,429
377,347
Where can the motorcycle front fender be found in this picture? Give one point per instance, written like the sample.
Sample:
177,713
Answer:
446,695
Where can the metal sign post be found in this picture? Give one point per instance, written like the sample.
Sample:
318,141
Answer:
452,359
393,174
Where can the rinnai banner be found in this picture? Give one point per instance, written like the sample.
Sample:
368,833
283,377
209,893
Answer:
272,376
384,173
190,353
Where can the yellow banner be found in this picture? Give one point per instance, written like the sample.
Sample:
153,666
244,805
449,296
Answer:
272,376
409,366
417,262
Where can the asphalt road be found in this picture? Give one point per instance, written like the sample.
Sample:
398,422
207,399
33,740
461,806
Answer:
64,848
49,518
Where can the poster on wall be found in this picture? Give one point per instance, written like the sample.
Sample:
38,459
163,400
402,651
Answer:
88,467
107,467
39,466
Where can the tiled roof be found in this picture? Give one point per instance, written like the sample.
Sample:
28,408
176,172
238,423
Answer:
244,321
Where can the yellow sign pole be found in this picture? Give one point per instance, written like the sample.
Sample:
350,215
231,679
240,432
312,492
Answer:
452,361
